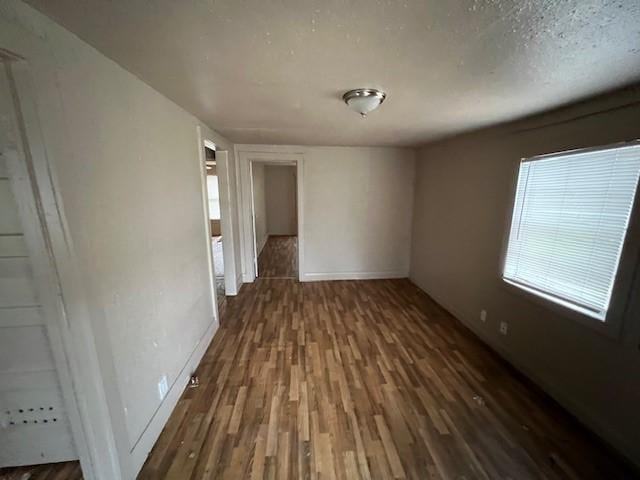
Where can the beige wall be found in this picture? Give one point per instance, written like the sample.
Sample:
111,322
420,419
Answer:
280,197
463,192
358,207
259,205
126,164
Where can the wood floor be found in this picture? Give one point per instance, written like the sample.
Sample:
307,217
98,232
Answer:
370,380
279,257
51,471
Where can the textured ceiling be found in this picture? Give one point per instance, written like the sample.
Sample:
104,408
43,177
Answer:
266,71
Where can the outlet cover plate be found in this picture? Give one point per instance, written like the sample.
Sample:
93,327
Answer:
504,328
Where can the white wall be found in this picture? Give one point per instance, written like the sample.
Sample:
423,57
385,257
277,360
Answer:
126,165
280,197
462,206
259,205
357,209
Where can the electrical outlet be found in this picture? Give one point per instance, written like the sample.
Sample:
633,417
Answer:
483,315
504,328
163,387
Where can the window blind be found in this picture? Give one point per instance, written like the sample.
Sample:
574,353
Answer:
570,217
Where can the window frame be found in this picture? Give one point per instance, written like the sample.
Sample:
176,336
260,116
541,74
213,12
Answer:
629,258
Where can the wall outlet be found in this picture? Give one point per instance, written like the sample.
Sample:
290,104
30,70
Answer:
504,328
163,387
483,315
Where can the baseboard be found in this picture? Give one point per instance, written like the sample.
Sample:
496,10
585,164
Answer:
581,413
158,421
238,286
262,244
247,278
324,276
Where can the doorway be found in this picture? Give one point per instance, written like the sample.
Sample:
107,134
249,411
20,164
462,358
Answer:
216,182
215,225
275,219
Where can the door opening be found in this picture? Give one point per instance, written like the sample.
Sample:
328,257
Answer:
275,218
217,239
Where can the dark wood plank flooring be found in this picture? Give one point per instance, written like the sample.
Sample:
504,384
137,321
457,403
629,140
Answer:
50,471
279,257
366,379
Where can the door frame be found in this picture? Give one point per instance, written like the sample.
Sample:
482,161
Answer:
67,316
246,158
204,194
226,218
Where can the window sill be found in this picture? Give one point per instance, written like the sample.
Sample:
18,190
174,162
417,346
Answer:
587,318
558,301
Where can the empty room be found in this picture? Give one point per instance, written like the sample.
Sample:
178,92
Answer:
319,240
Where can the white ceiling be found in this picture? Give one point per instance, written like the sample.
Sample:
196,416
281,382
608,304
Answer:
273,71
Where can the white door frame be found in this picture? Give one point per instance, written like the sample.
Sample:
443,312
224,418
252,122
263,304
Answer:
246,157
207,223
67,313
254,240
226,218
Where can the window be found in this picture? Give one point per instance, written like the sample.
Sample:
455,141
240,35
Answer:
570,218
214,197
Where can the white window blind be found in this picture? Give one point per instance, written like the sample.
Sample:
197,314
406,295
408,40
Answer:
569,223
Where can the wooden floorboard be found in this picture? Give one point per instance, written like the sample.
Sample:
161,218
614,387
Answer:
363,379
50,471
279,257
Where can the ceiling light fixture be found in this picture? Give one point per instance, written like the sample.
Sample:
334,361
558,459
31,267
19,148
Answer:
364,100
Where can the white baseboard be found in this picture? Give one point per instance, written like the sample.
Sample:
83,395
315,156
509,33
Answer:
262,244
324,276
247,278
582,413
158,421
238,286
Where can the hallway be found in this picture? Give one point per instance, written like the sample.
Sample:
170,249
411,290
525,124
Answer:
279,257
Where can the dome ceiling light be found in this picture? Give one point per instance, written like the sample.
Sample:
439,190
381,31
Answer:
364,100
